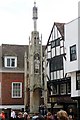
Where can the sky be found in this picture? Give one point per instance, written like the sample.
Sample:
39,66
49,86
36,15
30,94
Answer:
16,23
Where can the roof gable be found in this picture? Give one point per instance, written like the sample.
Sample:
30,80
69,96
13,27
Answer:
60,27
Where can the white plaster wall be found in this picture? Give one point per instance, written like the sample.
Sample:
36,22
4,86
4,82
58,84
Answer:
74,92
53,52
71,38
51,75
79,9
49,55
78,43
58,50
61,73
62,50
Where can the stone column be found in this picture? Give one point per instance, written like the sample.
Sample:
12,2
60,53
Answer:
34,101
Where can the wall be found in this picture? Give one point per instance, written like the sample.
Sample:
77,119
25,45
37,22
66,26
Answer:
7,79
74,92
71,38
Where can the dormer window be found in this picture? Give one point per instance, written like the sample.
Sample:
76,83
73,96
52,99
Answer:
10,62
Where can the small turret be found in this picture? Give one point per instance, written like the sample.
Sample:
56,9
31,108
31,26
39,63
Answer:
35,16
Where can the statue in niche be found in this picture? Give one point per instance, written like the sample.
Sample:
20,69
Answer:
36,63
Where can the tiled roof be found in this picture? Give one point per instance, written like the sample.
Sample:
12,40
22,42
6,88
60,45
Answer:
9,49
60,27
15,50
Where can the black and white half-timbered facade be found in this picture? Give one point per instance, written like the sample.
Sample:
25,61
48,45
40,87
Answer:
58,83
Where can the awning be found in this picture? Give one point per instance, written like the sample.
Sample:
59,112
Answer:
58,106
12,106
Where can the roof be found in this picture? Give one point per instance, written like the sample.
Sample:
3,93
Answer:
60,27
15,50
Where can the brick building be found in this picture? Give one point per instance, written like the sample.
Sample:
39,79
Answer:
12,76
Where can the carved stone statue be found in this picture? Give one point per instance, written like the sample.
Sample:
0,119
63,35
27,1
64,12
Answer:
36,64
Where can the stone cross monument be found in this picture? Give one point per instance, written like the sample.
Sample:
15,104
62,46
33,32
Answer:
35,65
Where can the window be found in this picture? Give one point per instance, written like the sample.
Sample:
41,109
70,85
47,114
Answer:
73,53
68,88
56,63
10,62
53,44
78,80
16,90
62,89
57,42
55,89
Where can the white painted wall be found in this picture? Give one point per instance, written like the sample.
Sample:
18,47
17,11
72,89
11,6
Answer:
74,92
71,38
79,43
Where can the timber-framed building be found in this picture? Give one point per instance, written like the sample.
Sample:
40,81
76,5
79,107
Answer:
58,83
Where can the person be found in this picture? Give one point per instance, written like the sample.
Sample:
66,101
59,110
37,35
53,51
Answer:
40,118
20,116
26,116
62,115
49,116
13,115
2,115
71,114
35,116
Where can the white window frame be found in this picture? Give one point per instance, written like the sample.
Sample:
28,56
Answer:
20,89
10,57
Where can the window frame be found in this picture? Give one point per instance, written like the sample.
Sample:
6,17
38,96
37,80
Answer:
10,58
69,88
77,81
55,88
53,44
54,63
19,90
62,90
57,42
73,55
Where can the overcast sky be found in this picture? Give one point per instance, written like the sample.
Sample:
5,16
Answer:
16,21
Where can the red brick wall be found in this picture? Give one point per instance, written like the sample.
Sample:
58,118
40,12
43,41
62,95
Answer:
7,79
